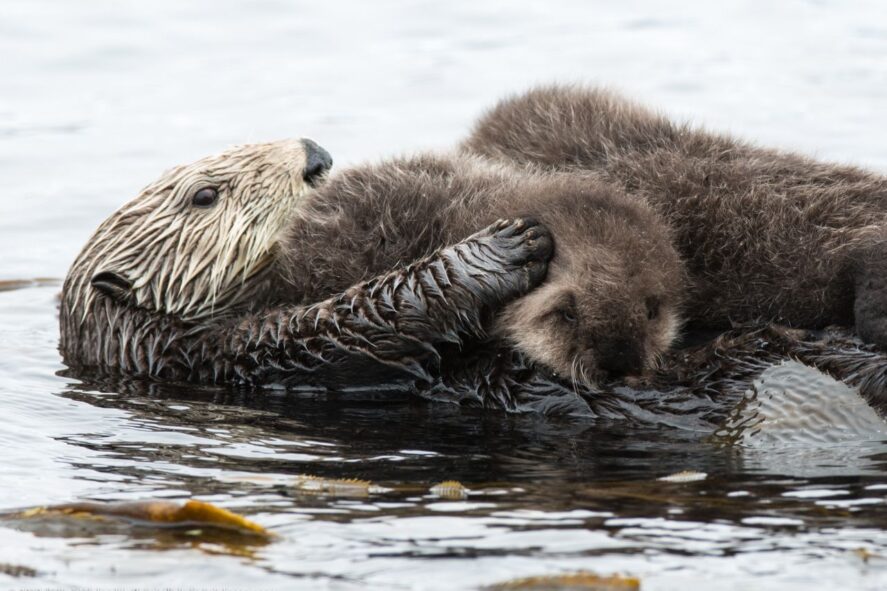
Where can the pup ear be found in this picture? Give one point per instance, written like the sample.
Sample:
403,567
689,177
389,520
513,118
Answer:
112,285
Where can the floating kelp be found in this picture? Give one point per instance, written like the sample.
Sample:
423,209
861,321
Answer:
584,581
191,514
866,554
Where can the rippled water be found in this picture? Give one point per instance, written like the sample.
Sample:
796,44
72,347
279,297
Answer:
97,98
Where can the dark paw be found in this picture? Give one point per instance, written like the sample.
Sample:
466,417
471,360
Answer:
516,251
506,259
523,242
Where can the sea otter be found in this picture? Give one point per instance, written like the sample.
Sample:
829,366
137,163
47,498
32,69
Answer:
419,327
767,235
183,284
610,305
206,245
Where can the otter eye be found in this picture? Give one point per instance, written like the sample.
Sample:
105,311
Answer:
205,197
652,308
568,315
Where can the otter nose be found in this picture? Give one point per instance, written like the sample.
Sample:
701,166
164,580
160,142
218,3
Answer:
317,162
621,357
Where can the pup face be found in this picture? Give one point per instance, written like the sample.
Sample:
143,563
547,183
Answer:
195,242
603,311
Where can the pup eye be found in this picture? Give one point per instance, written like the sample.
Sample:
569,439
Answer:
568,315
652,308
205,197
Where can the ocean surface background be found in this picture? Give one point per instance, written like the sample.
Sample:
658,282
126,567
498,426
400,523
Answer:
97,98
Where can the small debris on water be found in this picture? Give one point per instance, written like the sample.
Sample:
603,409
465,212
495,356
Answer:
13,284
449,489
310,484
684,476
340,487
16,570
866,554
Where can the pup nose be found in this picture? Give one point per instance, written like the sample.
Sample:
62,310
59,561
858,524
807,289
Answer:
621,357
317,162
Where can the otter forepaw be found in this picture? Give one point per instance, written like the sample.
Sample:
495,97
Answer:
521,244
522,241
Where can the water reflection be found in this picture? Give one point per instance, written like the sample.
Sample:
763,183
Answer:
569,493
205,437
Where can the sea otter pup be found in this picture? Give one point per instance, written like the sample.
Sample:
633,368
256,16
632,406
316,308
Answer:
183,284
610,304
766,234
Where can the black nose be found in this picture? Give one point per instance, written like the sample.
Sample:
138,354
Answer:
621,357
317,162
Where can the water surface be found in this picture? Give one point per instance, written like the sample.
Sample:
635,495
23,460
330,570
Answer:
97,98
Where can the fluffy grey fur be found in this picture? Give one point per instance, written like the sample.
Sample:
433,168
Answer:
766,234
611,300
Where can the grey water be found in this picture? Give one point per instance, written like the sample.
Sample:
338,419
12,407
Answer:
97,98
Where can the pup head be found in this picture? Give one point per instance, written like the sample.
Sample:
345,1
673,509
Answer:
610,304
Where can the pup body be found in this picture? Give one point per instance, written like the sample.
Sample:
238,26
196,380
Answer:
610,303
767,235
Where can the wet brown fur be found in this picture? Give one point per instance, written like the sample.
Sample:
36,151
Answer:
702,383
610,302
767,235
407,327
171,288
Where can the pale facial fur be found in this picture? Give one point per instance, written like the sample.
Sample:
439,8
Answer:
172,251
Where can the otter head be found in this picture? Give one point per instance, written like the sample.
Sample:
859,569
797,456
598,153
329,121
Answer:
610,304
195,243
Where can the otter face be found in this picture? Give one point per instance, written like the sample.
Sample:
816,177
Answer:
611,312
195,243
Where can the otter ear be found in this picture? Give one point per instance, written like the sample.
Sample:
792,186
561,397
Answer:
112,285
